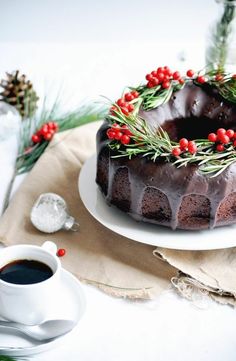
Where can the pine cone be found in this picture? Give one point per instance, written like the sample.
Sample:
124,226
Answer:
19,92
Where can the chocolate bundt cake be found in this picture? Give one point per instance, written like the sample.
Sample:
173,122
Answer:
157,189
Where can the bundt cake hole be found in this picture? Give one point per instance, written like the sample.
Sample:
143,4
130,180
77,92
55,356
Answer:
155,205
193,127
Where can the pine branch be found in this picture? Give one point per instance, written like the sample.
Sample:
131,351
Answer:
28,154
217,51
9,358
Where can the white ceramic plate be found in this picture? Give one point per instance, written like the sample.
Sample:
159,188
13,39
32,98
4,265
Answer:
74,301
119,222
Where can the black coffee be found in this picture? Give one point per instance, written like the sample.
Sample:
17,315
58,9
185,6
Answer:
25,272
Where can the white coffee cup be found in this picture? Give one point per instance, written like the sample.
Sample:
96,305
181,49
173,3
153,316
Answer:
28,303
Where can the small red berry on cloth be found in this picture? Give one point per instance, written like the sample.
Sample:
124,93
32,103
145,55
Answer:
61,252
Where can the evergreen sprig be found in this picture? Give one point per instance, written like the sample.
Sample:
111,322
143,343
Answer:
217,51
28,153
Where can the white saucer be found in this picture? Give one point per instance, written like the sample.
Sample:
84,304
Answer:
73,300
119,222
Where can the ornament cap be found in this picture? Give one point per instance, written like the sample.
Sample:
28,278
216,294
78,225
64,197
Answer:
71,224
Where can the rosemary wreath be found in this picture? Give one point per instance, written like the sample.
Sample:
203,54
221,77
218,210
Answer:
130,135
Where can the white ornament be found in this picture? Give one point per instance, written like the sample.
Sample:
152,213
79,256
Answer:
50,214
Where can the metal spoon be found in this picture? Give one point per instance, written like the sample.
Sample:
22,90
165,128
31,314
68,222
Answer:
45,331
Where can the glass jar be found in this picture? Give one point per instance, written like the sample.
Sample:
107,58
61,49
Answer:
221,45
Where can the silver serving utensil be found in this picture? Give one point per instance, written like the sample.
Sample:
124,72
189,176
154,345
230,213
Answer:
45,331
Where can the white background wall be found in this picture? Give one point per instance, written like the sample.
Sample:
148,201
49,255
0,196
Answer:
124,21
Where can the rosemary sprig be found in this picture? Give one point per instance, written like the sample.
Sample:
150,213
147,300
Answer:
156,144
153,97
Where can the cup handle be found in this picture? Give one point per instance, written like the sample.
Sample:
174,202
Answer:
50,247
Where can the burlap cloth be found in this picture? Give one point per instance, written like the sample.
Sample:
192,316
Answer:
96,255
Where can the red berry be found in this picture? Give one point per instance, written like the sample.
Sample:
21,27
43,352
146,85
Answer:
220,148
224,139
126,130
220,132
176,151
166,78
201,79
111,134
154,73
230,133
125,139
61,252
219,77
166,70
129,97
190,73
118,135
166,84
160,76
155,81
130,107
44,129
150,84
135,93
192,148
183,143
35,138
212,137
50,125
121,102
125,111
115,126
160,69
176,75
149,77
48,136
181,81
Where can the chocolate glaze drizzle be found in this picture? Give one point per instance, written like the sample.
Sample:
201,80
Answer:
192,112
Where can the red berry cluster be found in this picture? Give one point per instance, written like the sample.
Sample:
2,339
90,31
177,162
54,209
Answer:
163,76
185,145
46,132
124,103
120,133
222,137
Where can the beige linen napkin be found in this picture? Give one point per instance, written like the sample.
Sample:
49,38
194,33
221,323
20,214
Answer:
95,254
